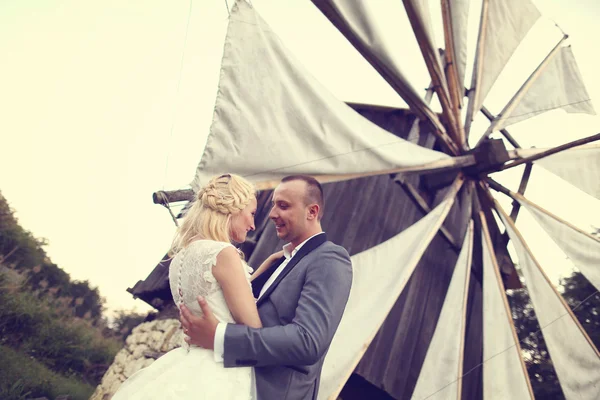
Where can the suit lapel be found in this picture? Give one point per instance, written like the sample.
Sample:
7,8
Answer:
259,282
307,248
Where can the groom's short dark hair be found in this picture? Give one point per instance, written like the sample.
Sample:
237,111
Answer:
314,191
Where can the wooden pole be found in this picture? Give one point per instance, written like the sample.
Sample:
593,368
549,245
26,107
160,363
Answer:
507,219
165,197
446,164
454,86
485,235
551,151
511,277
417,254
522,186
434,66
522,199
504,132
516,99
416,197
474,92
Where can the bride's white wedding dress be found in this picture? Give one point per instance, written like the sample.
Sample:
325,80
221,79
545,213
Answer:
190,372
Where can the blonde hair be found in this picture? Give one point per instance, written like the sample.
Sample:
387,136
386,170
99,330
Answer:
210,215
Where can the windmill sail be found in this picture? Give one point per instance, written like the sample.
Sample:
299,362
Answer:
356,21
459,15
504,375
580,166
273,119
582,249
575,358
442,369
559,86
504,26
380,274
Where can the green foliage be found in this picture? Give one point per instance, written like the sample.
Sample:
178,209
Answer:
46,330
25,253
584,300
22,377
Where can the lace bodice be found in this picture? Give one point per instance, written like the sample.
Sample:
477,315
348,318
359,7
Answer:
190,276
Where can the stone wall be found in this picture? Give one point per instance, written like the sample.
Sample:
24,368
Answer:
147,342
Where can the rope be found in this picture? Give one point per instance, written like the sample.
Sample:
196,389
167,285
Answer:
165,204
177,90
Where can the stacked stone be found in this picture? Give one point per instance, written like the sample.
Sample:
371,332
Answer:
147,342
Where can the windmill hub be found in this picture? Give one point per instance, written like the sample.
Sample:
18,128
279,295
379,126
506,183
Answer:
490,155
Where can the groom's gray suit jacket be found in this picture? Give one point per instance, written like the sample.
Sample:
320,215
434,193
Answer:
300,312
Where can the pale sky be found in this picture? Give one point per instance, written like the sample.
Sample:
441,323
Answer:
105,102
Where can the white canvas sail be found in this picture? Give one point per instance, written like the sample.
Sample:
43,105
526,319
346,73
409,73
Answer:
575,359
504,375
273,119
459,14
560,85
506,24
378,43
441,372
580,166
379,276
582,249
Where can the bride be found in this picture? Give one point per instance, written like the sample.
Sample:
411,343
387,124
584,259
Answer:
207,264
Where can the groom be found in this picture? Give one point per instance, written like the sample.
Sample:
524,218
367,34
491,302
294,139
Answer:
301,299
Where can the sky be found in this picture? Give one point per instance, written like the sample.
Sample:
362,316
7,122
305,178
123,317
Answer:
104,103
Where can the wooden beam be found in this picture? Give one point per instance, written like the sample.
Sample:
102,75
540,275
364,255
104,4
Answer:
422,204
520,198
165,197
522,186
454,87
551,151
456,94
516,99
446,164
434,66
504,132
511,277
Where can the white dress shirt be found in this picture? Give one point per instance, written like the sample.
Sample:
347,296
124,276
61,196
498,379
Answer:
219,342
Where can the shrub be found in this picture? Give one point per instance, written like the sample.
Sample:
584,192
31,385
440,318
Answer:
22,377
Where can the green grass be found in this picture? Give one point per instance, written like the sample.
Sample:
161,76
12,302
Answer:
22,377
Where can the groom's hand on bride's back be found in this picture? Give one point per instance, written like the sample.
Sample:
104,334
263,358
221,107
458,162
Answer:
200,331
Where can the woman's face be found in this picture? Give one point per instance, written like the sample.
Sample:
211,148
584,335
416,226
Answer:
242,222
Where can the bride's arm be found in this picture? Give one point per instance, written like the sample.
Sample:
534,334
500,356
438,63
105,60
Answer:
266,264
238,294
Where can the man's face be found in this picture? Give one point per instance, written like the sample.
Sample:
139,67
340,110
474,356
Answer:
289,212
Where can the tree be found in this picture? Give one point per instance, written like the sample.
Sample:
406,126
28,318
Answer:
584,300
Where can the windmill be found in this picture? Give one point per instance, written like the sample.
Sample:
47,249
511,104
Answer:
408,194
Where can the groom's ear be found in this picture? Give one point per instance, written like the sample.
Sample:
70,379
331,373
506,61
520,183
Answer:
313,212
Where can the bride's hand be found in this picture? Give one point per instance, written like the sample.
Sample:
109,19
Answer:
266,264
275,256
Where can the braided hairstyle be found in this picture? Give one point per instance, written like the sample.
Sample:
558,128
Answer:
210,214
